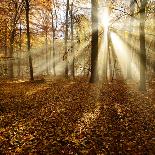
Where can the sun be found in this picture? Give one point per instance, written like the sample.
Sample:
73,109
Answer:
104,18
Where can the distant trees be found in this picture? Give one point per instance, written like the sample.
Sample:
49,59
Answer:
58,35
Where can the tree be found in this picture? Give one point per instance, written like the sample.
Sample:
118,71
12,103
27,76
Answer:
66,38
94,42
53,43
142,86
129,75
20,48
17,8
27,8
72,41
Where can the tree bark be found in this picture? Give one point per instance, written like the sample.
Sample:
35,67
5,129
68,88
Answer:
72,42
142,86
27,8
94,42
46,44
53,47
129,75
10,54
5,41
20,49
66,40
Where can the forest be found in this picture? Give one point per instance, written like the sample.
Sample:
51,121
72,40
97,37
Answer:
77,77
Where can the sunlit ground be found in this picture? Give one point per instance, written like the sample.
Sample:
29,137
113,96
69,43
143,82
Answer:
73,116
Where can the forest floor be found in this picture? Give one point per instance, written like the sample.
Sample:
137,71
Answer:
74,117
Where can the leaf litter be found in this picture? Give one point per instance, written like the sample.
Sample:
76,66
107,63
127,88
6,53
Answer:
75,117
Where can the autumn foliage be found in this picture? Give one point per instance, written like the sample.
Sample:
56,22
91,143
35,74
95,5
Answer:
75,117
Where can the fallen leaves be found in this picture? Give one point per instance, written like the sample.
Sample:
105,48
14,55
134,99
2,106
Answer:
75,117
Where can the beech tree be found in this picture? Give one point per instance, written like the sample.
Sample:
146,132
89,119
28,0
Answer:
142,86
27,9
130,37
17,8
94,42
72,41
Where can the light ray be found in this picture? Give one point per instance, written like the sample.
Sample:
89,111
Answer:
103,49
122,53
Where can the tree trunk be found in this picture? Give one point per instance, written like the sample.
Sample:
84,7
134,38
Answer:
110,61
66,39
10,54
28,40
142,86
94,42
46,49
129,75
72,41
6,48
105,59
5,41
20,49
53,47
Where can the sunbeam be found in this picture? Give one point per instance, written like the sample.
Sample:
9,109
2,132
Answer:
103,49
122,53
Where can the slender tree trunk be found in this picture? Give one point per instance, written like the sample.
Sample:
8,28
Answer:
114,60
46,49
12,38
53,47
105,64
66,40
129,75
154,40
20,49
10,54
94,42
28,40
50,57
72,41
11,48
142,86
5,41
6,48
110,60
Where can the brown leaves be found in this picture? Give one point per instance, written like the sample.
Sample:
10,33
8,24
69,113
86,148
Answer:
74,117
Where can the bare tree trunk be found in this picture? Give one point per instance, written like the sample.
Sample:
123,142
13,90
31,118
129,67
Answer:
5,41
142,86
94,42
66,40
53,47
28,39
154,40
72,41
105,64
12,37
20,49
10,54
46,49
6,48
110,61
129,75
